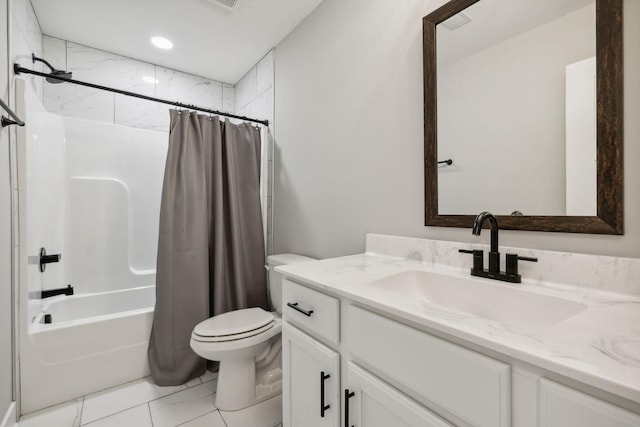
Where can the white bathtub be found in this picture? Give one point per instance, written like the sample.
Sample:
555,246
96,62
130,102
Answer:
95,341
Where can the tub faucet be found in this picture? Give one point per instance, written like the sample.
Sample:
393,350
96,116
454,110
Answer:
60,291
511,273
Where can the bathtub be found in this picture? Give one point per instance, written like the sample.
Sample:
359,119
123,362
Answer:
95,341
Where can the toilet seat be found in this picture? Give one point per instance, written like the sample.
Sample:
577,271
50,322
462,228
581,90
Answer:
234,325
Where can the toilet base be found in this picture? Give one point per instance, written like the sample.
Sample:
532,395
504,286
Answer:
237,380
242,383
237,388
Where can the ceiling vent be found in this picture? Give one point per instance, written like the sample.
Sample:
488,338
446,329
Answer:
457,21
230,5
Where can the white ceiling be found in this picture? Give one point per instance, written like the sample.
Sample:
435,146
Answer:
208,40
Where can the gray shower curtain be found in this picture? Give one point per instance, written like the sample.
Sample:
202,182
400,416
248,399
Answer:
211,242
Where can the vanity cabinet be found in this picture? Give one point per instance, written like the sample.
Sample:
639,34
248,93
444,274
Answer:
347,365
472,387
561,406
376,404
311,381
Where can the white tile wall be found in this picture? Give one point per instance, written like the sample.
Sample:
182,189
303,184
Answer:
107,69
264,73
188,89
246,89
228,97
26,38
254,98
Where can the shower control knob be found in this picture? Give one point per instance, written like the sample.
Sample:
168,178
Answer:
47,259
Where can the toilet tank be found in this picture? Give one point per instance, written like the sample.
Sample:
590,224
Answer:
275,278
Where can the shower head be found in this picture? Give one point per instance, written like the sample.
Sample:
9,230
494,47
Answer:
52,76
59,73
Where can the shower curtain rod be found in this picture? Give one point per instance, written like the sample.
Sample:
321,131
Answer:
17,69
15,120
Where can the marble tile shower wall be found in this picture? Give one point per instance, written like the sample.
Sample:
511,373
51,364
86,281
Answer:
26,38
254,98
104,68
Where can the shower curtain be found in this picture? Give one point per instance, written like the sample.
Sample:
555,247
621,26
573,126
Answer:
211,253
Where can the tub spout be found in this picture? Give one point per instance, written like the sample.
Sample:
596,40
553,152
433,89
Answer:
60,291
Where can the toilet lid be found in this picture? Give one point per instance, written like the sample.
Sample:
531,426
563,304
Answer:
234,323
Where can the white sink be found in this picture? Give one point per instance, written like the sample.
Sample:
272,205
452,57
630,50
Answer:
499,301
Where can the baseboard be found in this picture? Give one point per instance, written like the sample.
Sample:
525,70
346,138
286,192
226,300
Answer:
9,419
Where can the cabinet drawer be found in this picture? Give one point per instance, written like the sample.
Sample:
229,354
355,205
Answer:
467,384
313,311
561,406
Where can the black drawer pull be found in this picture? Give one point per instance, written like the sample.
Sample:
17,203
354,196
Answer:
301,310
347,395
323,407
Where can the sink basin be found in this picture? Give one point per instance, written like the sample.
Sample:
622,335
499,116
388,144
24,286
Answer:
496,301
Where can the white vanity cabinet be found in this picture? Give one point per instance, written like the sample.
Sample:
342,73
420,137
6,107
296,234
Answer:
367,369
311,381
561,406
311,370
473,388
369,402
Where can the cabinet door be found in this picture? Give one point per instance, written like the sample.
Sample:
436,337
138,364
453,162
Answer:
377,404
561,406
311,383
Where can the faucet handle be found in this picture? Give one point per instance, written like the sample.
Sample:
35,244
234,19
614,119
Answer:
512,263
478,258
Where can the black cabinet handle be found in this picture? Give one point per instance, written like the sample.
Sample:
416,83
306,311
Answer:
347,395
301,310
323,407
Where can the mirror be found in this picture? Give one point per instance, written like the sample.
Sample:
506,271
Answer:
523,114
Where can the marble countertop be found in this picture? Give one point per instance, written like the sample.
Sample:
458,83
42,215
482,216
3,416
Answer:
600,346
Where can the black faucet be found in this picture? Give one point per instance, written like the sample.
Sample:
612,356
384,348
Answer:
511,273
494,255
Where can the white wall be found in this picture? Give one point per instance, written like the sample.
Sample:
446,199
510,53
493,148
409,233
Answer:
349,139
6,283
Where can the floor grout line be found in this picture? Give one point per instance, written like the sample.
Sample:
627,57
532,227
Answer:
150,416
81,411
199,416
113,413
82,401
140,404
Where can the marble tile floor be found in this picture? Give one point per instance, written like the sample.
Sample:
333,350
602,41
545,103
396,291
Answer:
141,403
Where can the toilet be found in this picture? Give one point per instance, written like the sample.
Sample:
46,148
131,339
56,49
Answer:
247,344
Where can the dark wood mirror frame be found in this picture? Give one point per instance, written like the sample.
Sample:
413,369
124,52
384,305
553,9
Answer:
609,119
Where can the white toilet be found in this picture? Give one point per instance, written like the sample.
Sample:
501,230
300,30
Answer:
247,344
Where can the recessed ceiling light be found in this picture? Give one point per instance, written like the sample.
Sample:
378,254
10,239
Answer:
161,42
150,80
